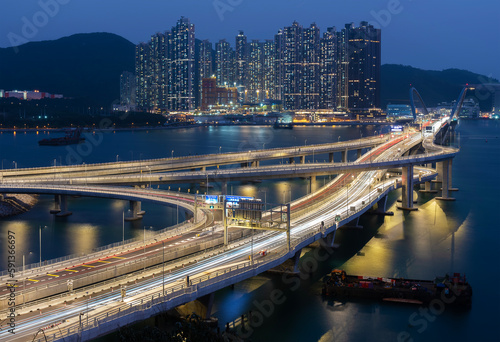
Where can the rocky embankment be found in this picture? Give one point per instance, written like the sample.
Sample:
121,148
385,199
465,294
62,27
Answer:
14,204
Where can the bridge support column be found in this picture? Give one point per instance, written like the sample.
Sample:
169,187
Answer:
330,157
354,224
407,189
329,240
64,207
223,186
428,188
439,170
450,188
445,182
344,156
135,211
203,169
382,208
312,184
302,159
291,160
255,163
359,153
57,205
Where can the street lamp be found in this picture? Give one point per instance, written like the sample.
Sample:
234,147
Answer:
150,176
40,239
338,139
163,264
117,158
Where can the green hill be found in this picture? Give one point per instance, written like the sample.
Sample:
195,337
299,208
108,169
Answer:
82,66
434,86
88,67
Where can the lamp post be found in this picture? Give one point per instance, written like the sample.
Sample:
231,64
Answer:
163,264
338,140
40,240
123,226
149,175
117,158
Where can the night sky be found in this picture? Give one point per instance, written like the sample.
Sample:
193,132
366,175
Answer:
428,34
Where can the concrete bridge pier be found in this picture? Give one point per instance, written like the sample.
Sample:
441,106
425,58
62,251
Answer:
344,156
428,188
291,160
407,189
330,157
57,205
312,184
329,240
302,159
136,212
359,153
255,163
354,224
64,207
450,188
382,208
201,306
446,181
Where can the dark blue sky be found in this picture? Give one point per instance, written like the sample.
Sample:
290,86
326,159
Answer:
429,34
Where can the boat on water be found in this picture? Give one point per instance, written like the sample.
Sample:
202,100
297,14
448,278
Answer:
453,290
71,137
283,125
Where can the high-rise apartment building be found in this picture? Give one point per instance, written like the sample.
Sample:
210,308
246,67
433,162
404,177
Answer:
328,70
143,75
268,69
300,67
165,70
128,89
224,63
310,82
182,60
359,67
241,54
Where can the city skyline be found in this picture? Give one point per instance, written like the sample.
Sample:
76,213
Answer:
298,69
403,23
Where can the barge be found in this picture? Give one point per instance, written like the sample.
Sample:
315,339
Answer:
452,290
71,137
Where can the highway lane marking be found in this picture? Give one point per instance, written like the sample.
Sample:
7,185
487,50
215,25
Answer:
88,266
106,262
53,275
71,270
119,257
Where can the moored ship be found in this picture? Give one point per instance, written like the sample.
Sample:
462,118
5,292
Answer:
71,137
453,290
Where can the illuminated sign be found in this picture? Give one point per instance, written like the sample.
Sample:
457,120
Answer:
236,199
211,199
396,128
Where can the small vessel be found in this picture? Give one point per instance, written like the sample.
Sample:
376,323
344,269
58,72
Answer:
455,290
71,137
285,125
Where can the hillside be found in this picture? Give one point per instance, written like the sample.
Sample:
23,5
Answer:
81,65
88,67
434,86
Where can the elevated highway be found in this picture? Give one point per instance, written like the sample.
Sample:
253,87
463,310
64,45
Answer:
245,158
87,318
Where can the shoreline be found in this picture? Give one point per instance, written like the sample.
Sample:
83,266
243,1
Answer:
145,128
15,204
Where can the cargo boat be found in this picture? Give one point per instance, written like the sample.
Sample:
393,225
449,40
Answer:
283,125
71,137
454,290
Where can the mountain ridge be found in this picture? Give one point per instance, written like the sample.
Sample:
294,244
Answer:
88,66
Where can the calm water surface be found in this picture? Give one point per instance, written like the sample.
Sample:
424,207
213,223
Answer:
441,237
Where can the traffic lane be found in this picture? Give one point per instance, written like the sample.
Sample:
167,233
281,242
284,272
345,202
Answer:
89,267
